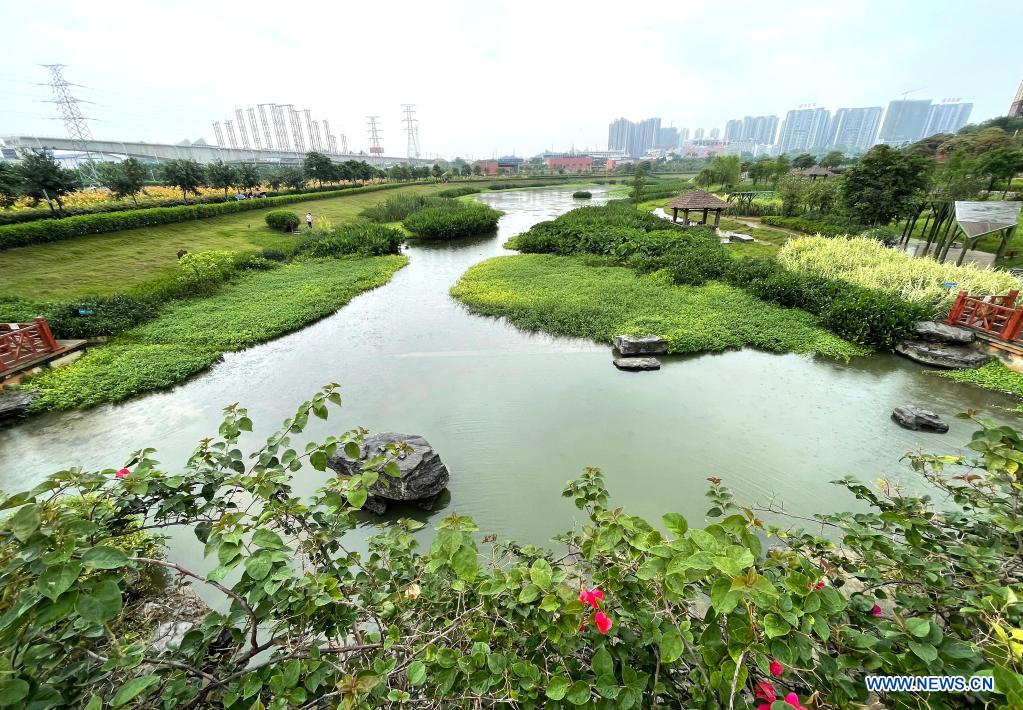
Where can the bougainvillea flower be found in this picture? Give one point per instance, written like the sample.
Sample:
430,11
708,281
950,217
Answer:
776,668
603,622
875,610
793,700
590,596
122,473
765,691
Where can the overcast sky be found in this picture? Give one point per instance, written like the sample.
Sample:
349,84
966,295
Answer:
491,79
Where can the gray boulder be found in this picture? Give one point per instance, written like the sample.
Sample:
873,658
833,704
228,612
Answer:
937,332
949,357
14,404
637,363
645,345
422,474
916,418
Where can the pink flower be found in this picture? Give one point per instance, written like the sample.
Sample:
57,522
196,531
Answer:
776,668
793,700
590,596
765,691
764,706
603,622
811,586
875,610
122,473
820,584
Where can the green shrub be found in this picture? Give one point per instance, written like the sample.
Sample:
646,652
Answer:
826,228
458,191
596,229
51,230
274,254
357,238
398,207
201,272
582,194
282,220
460,219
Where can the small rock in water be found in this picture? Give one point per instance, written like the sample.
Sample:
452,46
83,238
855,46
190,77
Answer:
916,418
645,345
950,357
637,363
937,332
14,404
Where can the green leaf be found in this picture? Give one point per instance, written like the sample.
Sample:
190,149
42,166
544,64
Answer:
101,603
104,557
529,593
58,579
133,688
318,460
775,626
258,566
352,450
557,687
357,497
578,693
465,563
25,522
95,703
268,539
603,664
918,627
13,691
675,523
925,651
670,647
541,574
416,673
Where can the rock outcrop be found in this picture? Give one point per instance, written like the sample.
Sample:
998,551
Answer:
949,357
937,332
645,345
637,363
422,473
912,417
14,404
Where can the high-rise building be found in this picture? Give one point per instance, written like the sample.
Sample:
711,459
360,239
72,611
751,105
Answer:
803,130
698,134
733,130
667,138
947,117
760,129
715,133
904,122
683,136
633,138
1016,108
854,130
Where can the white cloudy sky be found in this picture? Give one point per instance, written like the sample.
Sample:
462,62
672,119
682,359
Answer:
494,78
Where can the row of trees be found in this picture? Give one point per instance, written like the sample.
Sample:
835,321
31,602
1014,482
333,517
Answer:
38,176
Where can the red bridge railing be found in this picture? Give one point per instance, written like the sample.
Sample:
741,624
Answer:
994,315
23,342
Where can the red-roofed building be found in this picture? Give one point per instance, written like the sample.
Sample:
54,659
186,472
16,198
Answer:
570,164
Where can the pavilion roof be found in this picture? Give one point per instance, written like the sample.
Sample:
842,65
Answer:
698,200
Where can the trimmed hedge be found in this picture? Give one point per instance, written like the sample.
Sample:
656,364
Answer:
582,194
813,226
282,220
459,191
460,219
52,230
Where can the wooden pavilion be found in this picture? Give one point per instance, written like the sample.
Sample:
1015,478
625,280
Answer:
696,201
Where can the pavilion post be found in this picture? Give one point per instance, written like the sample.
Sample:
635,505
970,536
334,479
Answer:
685,217
717,217
1006,236
674,214
705,216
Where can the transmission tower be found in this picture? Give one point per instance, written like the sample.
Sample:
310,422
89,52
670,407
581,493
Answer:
256,140
241,127
374,136
411,130
296,129
231,138
280,127
331,144
344,144
310,139
74,122
218,133
317,138
266,126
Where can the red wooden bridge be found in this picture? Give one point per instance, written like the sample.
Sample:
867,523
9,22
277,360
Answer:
26,345
996,316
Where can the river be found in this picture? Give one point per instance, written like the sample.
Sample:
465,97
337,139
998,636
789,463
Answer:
515,415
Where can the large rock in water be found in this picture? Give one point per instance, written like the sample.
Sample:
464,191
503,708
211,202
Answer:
423,475
937,332
637,363
14,404
950,357
916,418
645,345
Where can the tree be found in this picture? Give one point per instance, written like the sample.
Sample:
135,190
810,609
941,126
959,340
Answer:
781,168
804,161
124,179
1001,164
294,177
274,178
726,170
10,185
43,178
436,170
477,170
762,169
318,167
248,176
822,195
833,159
791,189
186,175
466,170
221,176
705,178
638,185
957,177
884,184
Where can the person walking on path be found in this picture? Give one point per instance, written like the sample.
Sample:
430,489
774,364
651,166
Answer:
309,220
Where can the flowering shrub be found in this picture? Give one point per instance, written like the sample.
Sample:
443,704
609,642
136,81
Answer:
740,613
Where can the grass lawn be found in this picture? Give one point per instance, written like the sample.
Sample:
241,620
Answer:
191,335
566,296
114,262
769,240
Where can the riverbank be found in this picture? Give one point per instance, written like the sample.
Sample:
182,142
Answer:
571,296
193,334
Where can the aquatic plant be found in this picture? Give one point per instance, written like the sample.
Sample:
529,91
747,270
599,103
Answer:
451,221
627,614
